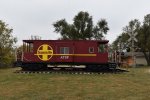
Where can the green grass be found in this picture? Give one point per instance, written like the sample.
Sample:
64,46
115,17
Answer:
133,85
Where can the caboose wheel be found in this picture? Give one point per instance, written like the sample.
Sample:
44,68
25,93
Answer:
34,67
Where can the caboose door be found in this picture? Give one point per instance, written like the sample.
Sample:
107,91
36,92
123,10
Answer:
65,52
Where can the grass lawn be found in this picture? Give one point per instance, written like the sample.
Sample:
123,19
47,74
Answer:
132,85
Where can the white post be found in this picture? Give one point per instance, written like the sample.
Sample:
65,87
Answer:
133,54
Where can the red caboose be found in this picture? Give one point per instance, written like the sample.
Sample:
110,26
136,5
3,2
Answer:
39,54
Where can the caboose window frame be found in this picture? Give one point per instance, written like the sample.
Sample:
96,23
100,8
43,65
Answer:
102,48
28,47
31,46
91,49
64,50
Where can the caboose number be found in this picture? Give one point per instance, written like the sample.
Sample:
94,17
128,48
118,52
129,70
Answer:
64,57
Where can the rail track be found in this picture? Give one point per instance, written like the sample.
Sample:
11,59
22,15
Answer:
114,71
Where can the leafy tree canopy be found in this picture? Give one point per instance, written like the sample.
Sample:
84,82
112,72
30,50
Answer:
82,28
6,44
143,36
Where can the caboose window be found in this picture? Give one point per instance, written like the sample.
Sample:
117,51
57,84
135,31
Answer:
102,48
64,50
31,47
28,47
91,49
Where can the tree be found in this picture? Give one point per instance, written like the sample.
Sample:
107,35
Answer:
132,27
82,28
144,38
64,28
6,44
100,29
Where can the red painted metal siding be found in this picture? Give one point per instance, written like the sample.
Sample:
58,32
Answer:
83,48
75,47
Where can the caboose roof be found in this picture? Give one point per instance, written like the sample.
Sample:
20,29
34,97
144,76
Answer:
99,41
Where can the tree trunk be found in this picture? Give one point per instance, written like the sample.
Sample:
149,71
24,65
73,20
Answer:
147,57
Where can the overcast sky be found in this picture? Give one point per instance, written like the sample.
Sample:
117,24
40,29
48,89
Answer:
35,17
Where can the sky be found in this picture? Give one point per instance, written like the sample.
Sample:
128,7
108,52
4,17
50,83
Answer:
35,17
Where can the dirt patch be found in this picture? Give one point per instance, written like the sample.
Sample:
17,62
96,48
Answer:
148,71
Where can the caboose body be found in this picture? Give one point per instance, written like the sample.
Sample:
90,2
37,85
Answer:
39,54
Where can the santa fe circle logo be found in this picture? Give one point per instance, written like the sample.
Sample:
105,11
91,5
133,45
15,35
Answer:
44,52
